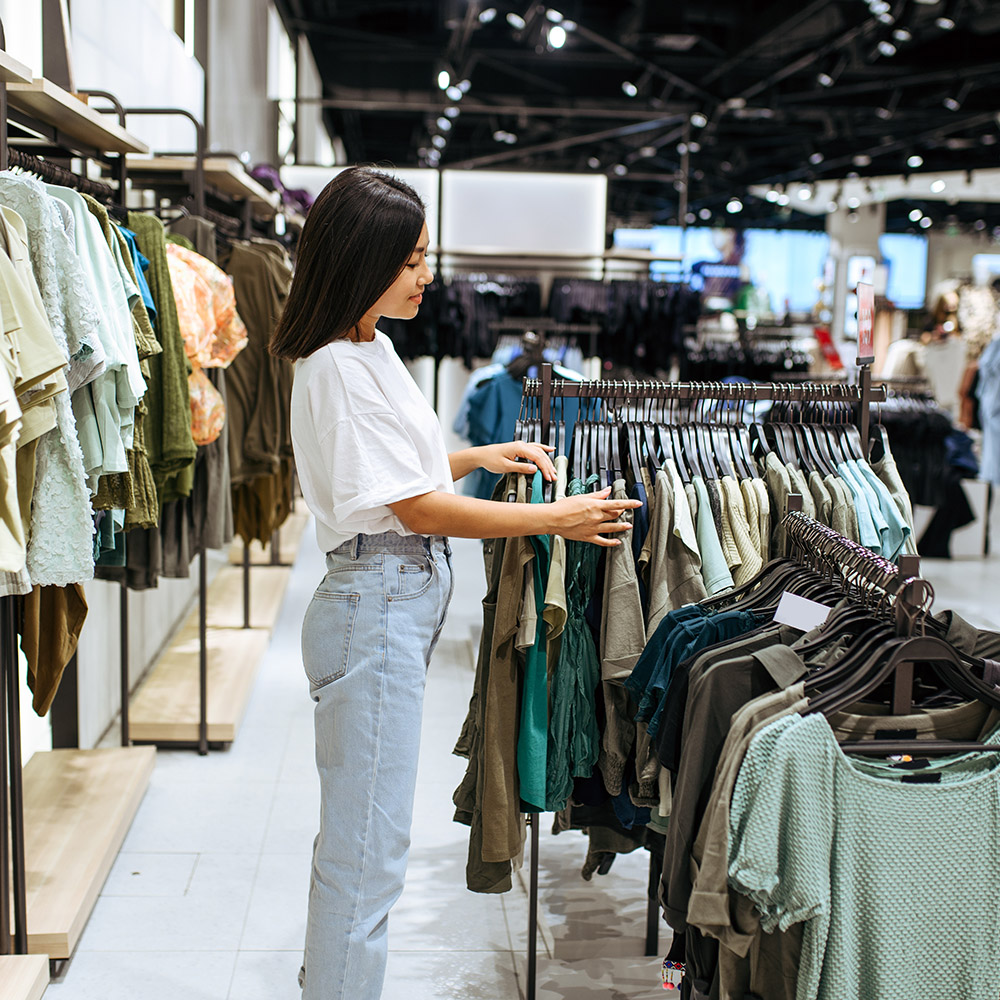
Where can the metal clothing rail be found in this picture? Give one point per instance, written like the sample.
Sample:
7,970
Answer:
860,396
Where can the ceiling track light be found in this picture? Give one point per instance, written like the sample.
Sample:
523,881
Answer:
517,22
454,93
955,102
554,16
915,161
556,36
945,23
629,89
487,15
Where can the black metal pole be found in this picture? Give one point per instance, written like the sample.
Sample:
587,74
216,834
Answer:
533,910
10,612
652,908
246,585
5,799
202,654
276,547
123,642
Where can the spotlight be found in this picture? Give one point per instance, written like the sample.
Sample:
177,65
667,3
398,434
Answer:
831,206
804,193
902,34
916,215
557,36
647,151
444,79
454,93
694,147
704,214
569,25
682,148
886,48
884,113
784,199
945,23
915,161
593,163
878,7
816,158
951,103
853,202
690,218
938,186
734,205
452,111
434,157
487,15
698,120
629,88
554,16
439,141
444,123
619,169
465,86
772,195
824,79
988,139
516,21
862,160
925,223
979,225
886,18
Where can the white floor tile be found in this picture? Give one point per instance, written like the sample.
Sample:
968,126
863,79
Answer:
267,975
294,818
276,919
150,875
132,974
421,975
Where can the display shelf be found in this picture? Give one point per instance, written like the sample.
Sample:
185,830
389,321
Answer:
77,121
267,591
290,538
23,977
226,175
165,708
78,807
12,71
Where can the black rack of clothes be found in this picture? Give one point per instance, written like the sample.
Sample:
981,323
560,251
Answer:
874,674
524,760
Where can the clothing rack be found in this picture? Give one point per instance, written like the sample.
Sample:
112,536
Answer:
860,396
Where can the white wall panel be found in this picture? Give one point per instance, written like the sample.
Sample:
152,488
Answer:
517,212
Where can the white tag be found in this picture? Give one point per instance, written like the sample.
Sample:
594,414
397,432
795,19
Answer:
800,612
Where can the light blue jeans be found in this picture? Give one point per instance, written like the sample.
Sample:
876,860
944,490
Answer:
367,639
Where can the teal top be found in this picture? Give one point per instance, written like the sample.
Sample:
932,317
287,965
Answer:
893,872
870,522
532,737
574,739
897,530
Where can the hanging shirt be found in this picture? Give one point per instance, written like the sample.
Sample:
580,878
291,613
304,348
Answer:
364,437
808,842
868,531
714,569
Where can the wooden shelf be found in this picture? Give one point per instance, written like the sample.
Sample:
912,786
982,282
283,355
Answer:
165,708
226,175
78,807
23,977
290,535
73,117
12,71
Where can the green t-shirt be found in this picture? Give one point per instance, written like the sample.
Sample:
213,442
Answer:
896,883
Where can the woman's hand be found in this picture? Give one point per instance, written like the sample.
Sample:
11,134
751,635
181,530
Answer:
587,516
500,458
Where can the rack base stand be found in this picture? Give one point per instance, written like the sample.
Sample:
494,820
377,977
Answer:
78,807
23,977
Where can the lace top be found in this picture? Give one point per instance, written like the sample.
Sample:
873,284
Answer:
60,549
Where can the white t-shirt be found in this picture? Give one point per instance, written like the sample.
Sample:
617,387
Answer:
364,437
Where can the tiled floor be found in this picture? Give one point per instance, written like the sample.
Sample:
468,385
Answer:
207,899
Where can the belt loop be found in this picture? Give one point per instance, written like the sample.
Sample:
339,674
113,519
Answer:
356,547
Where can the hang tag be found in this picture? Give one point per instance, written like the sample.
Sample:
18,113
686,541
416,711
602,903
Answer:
672,973
800,612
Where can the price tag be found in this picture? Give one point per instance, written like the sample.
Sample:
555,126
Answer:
800,612
866,323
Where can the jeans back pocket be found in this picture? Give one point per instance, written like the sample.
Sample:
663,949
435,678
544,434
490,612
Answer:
327,633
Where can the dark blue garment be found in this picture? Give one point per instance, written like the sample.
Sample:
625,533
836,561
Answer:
958,453
493,413
640,528
629,814
686,637
141,265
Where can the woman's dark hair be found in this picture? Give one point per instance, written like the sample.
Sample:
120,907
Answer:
357,238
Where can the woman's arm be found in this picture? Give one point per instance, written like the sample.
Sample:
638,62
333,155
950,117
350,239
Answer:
500,458
585,517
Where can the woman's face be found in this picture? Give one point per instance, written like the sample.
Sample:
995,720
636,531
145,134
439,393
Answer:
401,300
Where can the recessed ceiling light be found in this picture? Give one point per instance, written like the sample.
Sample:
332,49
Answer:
698,120
444,79
516,21
886,48
734,205
557,36
816,158
620,170
439,140
916,215
455,93
945,23
451,111
805,193
853,202
487,15
553,15
902,34
593,163
704,214
444,123
938,186
925,223
629,88
915,161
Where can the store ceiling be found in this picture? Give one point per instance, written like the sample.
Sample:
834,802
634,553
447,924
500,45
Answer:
762,93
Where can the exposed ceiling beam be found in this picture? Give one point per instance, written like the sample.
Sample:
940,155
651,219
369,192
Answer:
936,76
567,143
799,15
408,105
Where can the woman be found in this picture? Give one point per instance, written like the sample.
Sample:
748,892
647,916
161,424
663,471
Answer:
370,456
